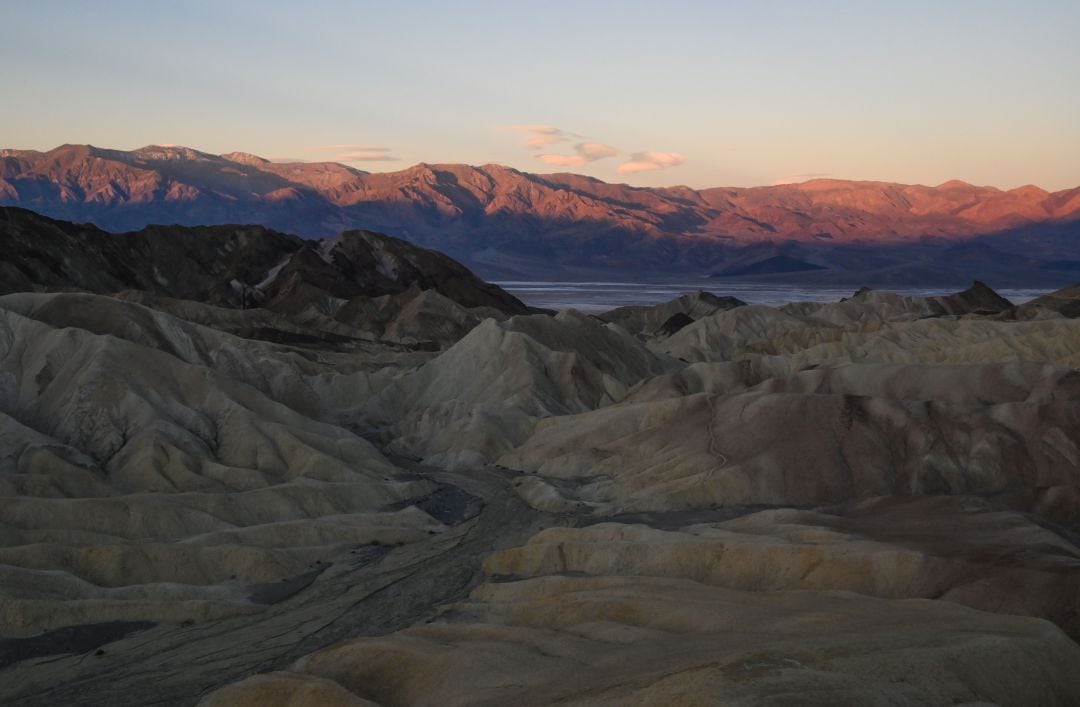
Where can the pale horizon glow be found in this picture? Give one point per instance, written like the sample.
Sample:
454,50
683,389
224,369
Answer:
696,93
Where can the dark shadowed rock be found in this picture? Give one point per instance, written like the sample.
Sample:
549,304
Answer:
649,320
771,266
234,266
977,299
1065,301
66,640
674,323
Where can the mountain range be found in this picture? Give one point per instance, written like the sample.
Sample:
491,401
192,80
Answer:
504,222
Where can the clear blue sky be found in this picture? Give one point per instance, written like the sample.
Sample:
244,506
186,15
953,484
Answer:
710,93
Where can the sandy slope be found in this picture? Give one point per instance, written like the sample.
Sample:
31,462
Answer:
869,502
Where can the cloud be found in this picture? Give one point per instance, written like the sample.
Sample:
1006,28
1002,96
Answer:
353,153
540,135
648,161
346,148
543,139
796,178
593,151
364,156
562,160
584,152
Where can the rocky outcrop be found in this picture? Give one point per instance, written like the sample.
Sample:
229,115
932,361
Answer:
667,318
1065,301
236,266
483,396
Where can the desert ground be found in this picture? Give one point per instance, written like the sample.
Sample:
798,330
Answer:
436,496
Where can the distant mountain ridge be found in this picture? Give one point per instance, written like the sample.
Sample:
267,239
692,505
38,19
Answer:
503,220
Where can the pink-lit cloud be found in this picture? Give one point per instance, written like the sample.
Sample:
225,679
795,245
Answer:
562,160
354,153
541,136
364,156
538,136
584,153
593,151
346,148
648,161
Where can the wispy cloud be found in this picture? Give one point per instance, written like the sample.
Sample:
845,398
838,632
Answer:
584,153
648,161
796,178
537,136
540,136
364,156
562,160
593,151
346,148
354,153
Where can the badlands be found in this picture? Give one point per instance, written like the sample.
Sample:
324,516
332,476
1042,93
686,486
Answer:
238,468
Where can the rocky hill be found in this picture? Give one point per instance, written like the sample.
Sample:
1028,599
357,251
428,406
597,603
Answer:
239,266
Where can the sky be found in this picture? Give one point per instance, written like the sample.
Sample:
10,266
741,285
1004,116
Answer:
659,93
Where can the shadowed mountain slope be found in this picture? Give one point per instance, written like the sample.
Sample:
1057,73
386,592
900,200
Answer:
230,265
505,220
